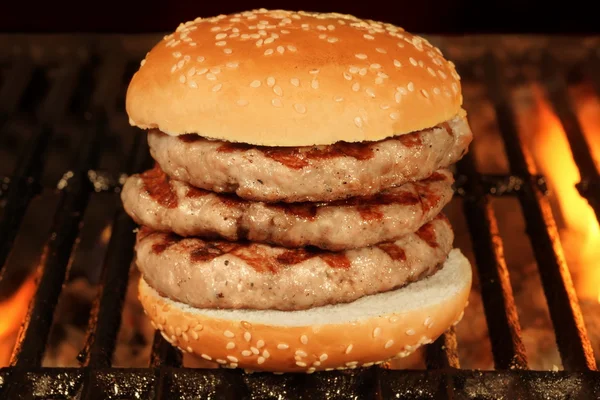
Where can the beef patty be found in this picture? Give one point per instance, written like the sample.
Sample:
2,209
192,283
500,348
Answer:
223,274
163,204
316,173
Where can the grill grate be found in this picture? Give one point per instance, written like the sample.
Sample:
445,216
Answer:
81,82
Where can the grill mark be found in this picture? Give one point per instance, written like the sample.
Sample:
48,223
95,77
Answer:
165,242
411,140
395,252
206,251
370,213
379,199
258,260
194,192
427,234
336,260
158,186
300,157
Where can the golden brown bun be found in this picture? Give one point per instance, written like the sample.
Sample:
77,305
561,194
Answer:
368,331
281,78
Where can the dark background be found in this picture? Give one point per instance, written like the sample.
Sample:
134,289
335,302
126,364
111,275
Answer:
426,16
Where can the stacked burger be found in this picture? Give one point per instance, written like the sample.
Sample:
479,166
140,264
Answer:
293,219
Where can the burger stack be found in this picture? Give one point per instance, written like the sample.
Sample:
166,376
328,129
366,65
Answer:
293,219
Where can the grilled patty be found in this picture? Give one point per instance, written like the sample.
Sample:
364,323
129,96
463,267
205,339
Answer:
154,200
317,173
223,274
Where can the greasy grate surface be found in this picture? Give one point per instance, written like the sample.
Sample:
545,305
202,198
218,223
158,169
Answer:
63,129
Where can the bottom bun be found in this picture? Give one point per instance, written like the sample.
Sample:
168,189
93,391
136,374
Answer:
370,330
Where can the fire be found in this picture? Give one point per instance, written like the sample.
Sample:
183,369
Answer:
13,311
579,229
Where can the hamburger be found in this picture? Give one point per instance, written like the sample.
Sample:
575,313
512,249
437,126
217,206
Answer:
293,221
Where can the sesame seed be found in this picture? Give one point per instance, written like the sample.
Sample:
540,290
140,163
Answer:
182,78
200,59
255,83
332,39
216,88
378,80
425,93
330,27
397,64
260,344
398,97
266,354
361,56
232,64
192,84
232,359
358,122
215,29
380,50
384,107
322,36
369,37
375,66
314,84
228,334
454,87
402,91
311,370
300,108
220,36
283,346
300,364
400,44
277,103
206,357
362,72
227,51
301,353
338,98
201,71
218,360
411,87
254,350
321,28
314,71
246,353
174,68
413,61
277,90
189,349
348,349
211,77
247,336
304,339
323,357
180,63
354,70
270,81
260,360
269,40
369,364
280,49
410,332
442,74
191,71
389,344
221,43
431,71
230,346
356,86
268,52
347,76
370,92
284,31
295,82
176,54
215,70
316,364
436,90
376,332
194,335
291,48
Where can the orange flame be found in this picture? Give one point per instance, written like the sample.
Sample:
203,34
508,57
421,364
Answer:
581,232
13,311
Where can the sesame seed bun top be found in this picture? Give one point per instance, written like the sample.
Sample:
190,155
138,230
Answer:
282,78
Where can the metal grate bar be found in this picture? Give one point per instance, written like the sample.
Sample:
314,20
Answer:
14,86
443,353
56,256
24,185
573,343
111,74
496,291
556,87
57,100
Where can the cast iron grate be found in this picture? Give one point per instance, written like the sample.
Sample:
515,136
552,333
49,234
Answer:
82,80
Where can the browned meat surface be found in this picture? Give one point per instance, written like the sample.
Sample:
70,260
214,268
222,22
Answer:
319,173
222,274
154,200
